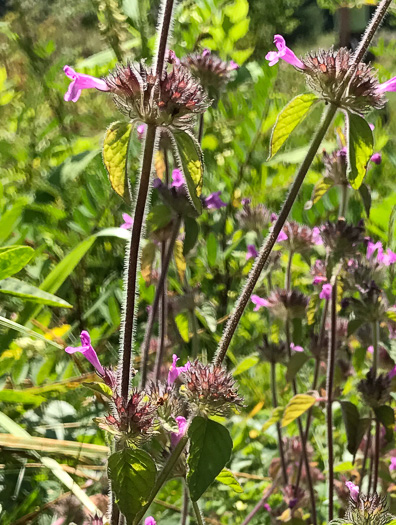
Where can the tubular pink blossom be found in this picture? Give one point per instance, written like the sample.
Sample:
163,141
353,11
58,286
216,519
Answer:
87,351
376,158
251,252
177,179
371,248
150,521
389,85
326,291
214,201
128,221
267,507
386,258
283,53
259,302
353,490
175,371
282,236
80,82
296,348
392,465
176,436
316,238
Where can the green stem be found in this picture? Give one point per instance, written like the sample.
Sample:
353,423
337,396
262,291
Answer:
375,328
269,243
197,513
186,502
134,249
278,427
329,388
163,475
164,35
289,272
377,439
200,128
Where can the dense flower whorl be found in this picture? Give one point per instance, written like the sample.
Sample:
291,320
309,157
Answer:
342,238
362,509
325,70
299,238
375,390
173,99
211,389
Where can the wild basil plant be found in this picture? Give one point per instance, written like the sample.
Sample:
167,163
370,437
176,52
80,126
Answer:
167,427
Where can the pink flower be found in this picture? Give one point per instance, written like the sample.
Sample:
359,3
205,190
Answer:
284,53
232,65
141,130
370,349
389,85
319,279
296,348
150,521
87,351
353,490
386,258
267,507
214,202
392,465
251,252
175,371
326,291
128,221
371,248
176,436
282,236
80,82
177,179
392,373
316,238
353,264
372,127
259,302
376,158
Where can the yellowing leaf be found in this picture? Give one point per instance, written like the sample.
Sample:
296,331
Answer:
226,477
148,255
159,164
289,118
276,415
296,407
115,156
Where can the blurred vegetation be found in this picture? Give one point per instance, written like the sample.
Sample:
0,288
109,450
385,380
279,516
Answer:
55,198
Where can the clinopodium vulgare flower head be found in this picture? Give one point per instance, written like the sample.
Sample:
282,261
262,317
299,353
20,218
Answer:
363,509
211,389
325,71
299,238
212,72
133,419
342,238
283,303
273,352
375,390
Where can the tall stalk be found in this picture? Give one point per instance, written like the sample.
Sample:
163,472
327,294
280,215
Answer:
329,405
278,427
377,437
295,188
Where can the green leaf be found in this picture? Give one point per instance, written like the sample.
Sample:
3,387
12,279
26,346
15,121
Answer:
10,219
103,389
30,293
354,426
115,156
19,396
180,261
360,148
189,158
211,246
297,361
132,473
13,259
366,198
275,417
386,415
27,331
289,118
319,190
159,216
246,363
210,450
191,228
181,321
226,477
296,407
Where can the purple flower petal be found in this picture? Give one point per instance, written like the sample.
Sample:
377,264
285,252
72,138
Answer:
214,202
326,291
267,507
175,371
376,158
176,436
296,348
150,521
177,179
88,352
316,237
353,490
259,302
251,252
392,465
283,53
371,248
282,236
389,85
80,82
128,221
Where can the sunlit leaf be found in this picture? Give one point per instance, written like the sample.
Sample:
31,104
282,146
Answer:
360,148
179,259
28,292
226,477
115,156
13,259
246,363
289,118
297,406
275,417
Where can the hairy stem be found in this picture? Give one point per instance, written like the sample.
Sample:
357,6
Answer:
164,35
270,241
278,427
200,127
365,456
186,502
154,308
329,388
375,328
162,317
343,200
197,512
289,272
134,249
376,454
